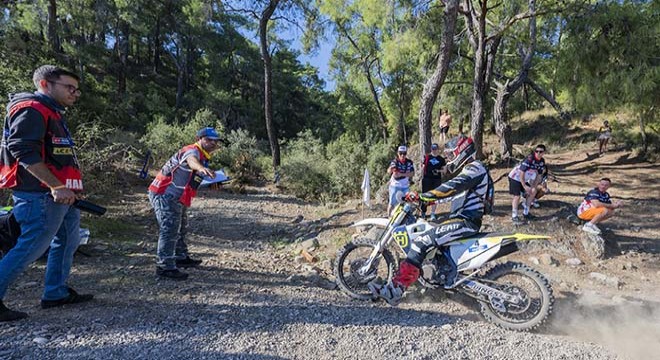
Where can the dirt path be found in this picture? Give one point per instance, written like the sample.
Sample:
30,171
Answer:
252,299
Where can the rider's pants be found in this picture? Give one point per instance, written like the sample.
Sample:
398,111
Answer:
447,231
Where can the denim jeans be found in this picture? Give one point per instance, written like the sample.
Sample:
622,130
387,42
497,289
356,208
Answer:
173,222
43,223
394,190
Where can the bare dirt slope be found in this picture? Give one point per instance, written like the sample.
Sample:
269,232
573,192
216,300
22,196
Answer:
255,299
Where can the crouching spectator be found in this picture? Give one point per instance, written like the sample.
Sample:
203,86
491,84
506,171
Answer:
525,179
597,207
171,193
402,170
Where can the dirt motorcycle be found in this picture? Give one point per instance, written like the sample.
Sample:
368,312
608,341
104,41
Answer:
511,295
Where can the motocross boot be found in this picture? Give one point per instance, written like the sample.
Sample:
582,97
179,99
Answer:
392,292
389,292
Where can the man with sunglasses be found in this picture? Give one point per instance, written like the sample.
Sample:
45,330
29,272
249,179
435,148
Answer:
39,165
527,179
402,170
171,193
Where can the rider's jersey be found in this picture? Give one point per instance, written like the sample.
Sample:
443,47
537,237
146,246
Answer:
473,180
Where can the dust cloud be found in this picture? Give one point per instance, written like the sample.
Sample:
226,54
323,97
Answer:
630,327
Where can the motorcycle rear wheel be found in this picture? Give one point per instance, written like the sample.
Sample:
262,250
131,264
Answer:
351,257
532,312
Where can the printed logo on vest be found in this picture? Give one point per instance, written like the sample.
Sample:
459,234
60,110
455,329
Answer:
62,151
61,141
74,184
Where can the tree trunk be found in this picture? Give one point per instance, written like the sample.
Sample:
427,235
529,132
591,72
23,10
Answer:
268,91
53,37
123,57
434,83
366,67
506,90
180,62
549,98
479,80
157,48
500,119
381,114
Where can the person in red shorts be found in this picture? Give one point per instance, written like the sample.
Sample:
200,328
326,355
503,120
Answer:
597,207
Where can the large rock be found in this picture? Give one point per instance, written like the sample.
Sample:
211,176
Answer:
547,259
611,281
594,245
573,262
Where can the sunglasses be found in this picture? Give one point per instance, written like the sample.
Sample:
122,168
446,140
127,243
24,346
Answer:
539,151
72,89
402,153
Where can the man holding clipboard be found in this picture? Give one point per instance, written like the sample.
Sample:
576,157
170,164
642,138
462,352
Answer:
171,193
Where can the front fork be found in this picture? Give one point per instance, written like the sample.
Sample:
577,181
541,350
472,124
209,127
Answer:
376,252
382,243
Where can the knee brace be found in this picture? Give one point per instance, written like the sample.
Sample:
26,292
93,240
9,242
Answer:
408,273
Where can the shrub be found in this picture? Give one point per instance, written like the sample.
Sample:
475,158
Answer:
304,168
241,156
165,139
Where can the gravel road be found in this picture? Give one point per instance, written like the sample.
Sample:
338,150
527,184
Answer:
248,301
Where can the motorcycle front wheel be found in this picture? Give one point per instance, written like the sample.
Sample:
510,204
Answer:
531,288
351,258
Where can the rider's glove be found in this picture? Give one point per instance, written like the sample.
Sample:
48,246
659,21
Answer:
411,196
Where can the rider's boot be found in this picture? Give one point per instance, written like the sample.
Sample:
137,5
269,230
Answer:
392,292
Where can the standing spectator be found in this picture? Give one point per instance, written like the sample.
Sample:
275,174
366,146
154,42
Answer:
402,170
171,193
597,206
445,123
432,169
38,163
525,178
605,132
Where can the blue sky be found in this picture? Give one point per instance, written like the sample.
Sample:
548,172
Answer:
320,59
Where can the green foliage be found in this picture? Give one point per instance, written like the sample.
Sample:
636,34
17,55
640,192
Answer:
241,156
164,139
304,167
323,172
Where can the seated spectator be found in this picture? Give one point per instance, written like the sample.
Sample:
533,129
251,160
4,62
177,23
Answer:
402,170
604,137
597,207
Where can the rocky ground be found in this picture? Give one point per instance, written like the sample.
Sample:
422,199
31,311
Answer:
256,297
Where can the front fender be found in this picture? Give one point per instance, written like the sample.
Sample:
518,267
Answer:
378,222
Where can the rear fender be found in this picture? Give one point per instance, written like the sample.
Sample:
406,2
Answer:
472,253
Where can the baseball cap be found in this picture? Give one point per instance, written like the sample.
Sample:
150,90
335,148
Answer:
208,132
434,146
402,149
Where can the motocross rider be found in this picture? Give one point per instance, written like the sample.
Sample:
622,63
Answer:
464,219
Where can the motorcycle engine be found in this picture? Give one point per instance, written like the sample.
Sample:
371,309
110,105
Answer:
434,271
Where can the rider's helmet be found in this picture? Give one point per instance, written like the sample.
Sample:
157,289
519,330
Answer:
459,150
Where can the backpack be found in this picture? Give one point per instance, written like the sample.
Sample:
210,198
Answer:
10,230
